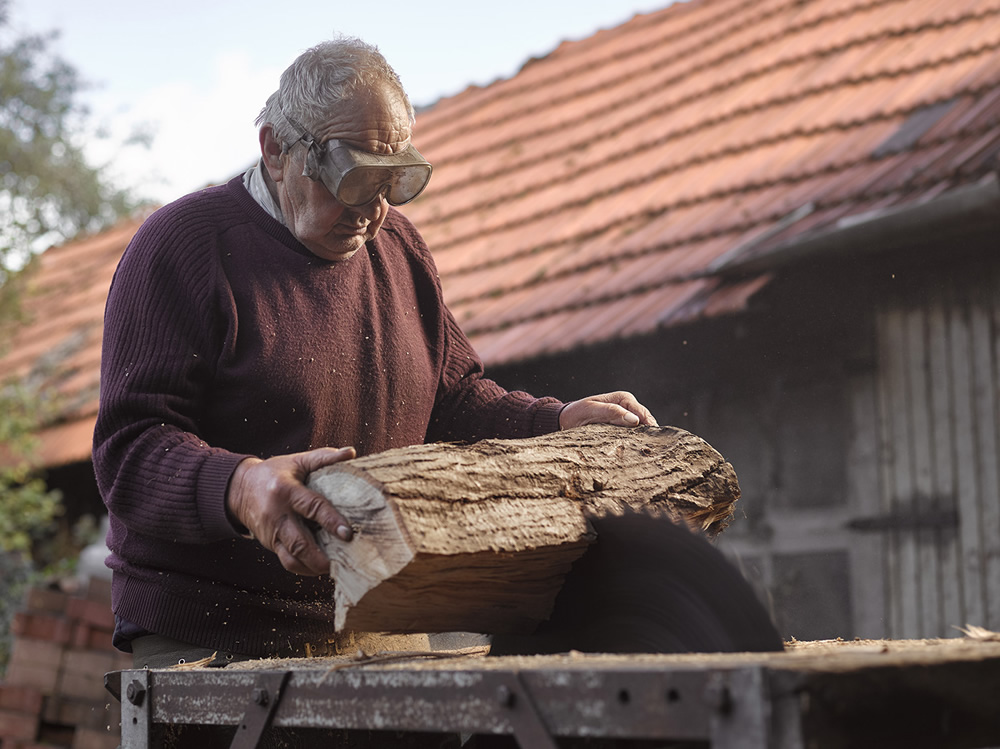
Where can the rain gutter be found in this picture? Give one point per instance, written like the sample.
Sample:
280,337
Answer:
960,212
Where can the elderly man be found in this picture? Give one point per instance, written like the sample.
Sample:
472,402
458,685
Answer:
259,330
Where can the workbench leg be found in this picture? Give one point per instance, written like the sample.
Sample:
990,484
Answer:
747,714
136,709
529,727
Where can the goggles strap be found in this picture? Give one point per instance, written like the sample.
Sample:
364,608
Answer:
310,168
304,135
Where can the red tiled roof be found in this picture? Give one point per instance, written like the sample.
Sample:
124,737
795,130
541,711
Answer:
59,343
582,199
593,195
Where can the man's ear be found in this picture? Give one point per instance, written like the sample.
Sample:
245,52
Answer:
271,152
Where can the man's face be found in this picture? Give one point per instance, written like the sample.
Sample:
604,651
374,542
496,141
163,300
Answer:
377,122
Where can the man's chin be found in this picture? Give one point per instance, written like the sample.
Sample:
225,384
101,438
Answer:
341,248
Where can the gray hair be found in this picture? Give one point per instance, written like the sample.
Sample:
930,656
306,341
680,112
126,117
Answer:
322,78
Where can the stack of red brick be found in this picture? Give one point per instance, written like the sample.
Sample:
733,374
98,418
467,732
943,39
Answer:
52,695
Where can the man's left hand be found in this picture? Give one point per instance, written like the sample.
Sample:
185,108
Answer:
619,408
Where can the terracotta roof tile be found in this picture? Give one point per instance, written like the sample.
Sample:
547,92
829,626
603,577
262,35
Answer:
594,194
639,157
59,346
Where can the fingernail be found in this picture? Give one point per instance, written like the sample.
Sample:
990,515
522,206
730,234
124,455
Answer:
631,419
344,532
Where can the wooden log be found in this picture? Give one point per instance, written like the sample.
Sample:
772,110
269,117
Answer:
479,537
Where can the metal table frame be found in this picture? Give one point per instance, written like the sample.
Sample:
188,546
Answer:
738,704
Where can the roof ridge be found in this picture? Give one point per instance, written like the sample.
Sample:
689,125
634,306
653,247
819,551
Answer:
503,92
428,143
720,153
718,230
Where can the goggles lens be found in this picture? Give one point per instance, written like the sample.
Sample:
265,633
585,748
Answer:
357,177
401,184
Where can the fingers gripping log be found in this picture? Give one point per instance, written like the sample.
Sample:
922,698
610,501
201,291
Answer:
479,537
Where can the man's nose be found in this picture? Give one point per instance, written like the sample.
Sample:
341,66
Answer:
371,209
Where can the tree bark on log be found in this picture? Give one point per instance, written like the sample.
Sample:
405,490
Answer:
479,537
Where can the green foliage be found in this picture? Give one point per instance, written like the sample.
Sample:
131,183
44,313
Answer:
27,506
48,195
16,576
48,192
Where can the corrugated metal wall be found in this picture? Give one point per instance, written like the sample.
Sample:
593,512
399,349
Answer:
937,421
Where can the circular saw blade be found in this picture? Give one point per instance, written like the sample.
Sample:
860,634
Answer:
647,585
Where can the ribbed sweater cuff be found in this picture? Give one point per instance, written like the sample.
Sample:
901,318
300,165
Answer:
213,483
546,418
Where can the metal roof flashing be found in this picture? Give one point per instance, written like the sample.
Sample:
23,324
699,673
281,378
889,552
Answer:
966,209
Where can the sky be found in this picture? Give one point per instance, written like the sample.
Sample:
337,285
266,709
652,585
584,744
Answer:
195,73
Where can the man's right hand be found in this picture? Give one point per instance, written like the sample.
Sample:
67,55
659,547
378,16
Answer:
271,499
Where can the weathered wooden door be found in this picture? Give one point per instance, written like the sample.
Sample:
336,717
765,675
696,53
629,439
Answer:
926,446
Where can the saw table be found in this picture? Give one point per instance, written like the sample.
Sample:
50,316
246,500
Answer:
927,693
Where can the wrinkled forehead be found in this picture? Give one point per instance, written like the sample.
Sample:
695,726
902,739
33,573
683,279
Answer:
374,120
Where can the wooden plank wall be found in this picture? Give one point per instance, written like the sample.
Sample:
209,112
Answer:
938,423
869,593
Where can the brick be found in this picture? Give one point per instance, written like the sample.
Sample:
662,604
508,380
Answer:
88,661
86,637
34,663
49,627
99,589
23,744
69,711
94,613
81,636
91,738
20,699
57,735
18,725
44,679
33,652
83,686
46,600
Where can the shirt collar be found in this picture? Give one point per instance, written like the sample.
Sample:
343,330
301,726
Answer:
256,185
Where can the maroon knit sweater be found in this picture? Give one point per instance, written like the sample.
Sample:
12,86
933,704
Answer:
224,337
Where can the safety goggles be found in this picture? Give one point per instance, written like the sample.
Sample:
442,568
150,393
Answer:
356,177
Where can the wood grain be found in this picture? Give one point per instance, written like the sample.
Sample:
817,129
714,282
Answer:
479,537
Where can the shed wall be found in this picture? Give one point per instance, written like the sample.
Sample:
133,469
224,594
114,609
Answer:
860,408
